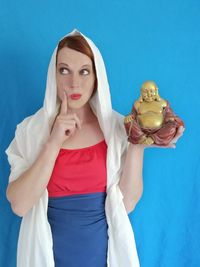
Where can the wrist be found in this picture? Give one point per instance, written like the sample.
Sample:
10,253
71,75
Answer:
52,146
137,146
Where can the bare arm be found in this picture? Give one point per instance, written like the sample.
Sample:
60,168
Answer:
131,181
25,191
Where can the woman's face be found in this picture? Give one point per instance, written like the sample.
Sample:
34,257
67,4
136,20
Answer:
74,75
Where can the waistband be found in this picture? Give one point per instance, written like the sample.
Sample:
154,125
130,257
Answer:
83,202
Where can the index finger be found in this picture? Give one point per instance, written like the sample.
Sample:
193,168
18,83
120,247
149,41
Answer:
63,109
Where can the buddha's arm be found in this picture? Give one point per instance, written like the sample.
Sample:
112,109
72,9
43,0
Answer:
131,181
169,114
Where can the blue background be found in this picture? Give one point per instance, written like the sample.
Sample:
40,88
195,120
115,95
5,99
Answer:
139,40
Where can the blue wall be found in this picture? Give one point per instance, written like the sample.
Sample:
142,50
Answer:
139,40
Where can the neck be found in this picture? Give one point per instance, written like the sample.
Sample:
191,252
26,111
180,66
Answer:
85,113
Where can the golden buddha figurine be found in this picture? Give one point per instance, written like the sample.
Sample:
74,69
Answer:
151,121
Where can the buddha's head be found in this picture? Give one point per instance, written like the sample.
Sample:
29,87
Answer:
149,92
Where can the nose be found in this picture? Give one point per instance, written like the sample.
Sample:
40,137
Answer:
149,93
74,81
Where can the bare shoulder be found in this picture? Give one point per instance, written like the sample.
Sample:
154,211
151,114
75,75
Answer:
163,102
137,104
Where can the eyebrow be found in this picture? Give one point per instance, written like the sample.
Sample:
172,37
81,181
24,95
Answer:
85,65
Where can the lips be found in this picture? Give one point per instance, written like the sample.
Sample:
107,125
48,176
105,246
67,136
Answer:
75,96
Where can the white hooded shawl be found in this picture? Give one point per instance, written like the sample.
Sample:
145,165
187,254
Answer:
35,238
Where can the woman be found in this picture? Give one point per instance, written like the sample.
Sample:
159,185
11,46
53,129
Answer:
72,176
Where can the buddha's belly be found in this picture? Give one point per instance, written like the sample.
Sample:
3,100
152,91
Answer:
150,120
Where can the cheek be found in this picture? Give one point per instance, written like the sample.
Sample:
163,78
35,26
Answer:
62,82
60,87
88,84
58,81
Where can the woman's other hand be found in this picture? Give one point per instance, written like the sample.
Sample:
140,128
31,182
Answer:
172,144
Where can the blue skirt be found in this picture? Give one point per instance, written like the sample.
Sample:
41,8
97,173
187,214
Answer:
79,230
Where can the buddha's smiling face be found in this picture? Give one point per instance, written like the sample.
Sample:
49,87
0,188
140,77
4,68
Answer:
148,92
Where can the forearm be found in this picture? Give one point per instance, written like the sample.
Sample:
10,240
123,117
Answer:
131,180
25,191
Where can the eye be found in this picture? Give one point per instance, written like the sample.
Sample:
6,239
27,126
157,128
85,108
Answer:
63,70
85,71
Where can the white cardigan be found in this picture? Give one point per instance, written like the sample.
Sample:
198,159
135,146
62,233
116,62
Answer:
35,238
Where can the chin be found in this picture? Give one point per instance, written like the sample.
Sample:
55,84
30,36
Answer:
76,104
